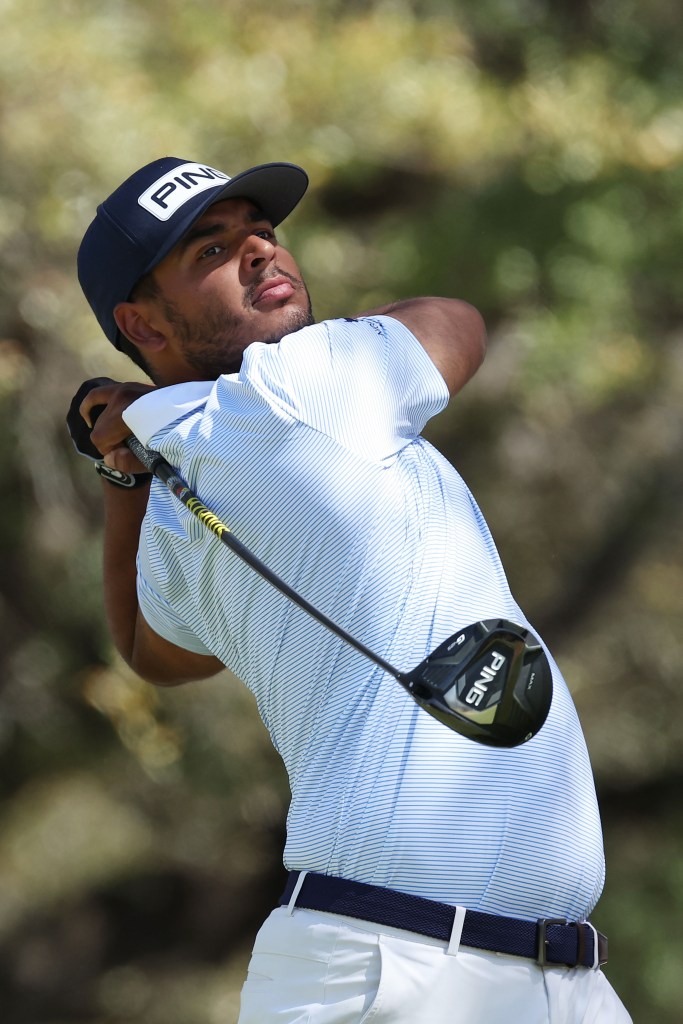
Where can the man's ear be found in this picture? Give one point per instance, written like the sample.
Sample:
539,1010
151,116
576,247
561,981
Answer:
132,322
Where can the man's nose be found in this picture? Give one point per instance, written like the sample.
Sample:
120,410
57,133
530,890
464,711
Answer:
257,253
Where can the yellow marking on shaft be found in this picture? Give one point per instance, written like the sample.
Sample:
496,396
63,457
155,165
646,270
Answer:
211,521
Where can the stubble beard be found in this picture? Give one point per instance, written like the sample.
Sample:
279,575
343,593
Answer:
215,342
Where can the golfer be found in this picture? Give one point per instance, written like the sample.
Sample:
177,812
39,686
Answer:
432,879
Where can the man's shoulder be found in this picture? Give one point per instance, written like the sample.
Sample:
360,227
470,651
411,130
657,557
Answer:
380,323
338,333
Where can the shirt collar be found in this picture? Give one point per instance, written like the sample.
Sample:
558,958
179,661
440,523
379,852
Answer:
157,409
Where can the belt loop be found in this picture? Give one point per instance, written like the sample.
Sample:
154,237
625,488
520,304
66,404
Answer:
297,890
596,952
456,931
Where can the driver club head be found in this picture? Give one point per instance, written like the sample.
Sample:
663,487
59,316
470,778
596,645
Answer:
490,682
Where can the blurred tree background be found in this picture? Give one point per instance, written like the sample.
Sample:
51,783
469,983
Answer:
522,154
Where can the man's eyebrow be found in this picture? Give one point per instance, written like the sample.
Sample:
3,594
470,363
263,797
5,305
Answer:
200,231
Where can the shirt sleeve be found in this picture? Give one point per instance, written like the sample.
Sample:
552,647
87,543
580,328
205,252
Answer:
367,382
157,612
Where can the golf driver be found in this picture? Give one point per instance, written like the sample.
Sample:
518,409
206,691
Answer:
490,682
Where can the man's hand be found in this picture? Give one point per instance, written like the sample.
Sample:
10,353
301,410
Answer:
102,409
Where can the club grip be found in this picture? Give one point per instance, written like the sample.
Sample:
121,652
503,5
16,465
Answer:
151,460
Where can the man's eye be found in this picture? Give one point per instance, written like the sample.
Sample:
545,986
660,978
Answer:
265,233
211,251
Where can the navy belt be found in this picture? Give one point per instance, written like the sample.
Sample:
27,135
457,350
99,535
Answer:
547,941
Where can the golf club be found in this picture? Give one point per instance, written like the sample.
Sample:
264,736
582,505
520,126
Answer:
490,681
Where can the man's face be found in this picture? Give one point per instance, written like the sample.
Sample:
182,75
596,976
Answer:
226,284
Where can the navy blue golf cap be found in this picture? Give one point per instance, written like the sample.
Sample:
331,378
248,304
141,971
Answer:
153,209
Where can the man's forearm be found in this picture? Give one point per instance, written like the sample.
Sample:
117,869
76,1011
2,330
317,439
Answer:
124,511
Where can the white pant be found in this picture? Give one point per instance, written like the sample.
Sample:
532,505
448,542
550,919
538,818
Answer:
313,968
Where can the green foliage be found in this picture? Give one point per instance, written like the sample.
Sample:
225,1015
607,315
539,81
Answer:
522,154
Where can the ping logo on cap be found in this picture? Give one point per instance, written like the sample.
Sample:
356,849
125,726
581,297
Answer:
175,188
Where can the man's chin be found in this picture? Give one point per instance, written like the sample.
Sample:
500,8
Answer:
292,319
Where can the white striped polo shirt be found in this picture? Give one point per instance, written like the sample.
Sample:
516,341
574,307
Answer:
312,455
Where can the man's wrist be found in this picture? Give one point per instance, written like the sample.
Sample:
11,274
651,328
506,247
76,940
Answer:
129,481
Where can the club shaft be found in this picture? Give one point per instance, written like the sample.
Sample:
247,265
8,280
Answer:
157,465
